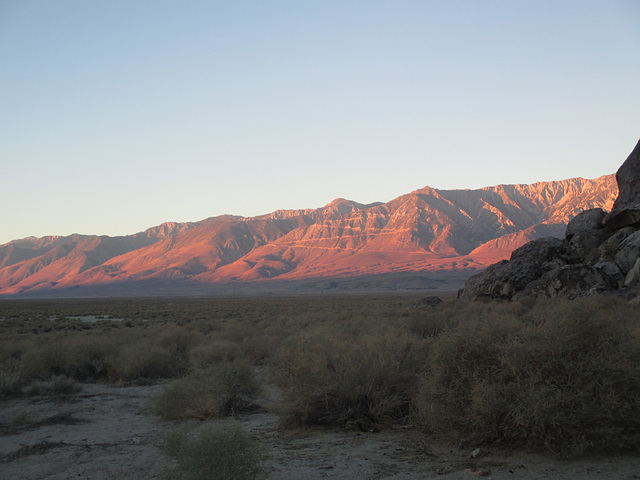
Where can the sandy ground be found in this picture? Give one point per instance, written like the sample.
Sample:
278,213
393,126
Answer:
110,432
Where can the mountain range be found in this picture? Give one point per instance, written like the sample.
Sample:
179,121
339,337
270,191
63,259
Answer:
426,234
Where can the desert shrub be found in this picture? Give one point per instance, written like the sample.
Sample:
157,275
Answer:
460,360
348,382
90,358
62,385
82,357
428,323
109,354
565,378
235,331
146,361
260,347
56,385
78,356
43,360
176,339
218,390
12,347
115,354
214,351
216,451
11,376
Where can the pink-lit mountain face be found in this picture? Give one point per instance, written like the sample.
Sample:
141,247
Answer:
423,231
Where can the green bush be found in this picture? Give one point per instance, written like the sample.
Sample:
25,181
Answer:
221,389
216,451
565,377
348,382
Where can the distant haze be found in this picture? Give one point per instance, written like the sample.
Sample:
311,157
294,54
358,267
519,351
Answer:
118,115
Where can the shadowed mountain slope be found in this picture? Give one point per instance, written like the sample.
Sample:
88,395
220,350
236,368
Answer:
425,230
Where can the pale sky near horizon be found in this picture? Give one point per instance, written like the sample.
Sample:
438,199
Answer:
116,116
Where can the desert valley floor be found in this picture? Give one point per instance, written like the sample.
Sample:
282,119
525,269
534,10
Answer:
109,432
109,427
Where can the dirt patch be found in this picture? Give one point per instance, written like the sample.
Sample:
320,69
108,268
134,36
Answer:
102,432
108,432
407,454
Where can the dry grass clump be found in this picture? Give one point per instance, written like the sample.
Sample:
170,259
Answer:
352,382
78,356
11,376
216,451
225,388
99,355
56,385
564,376
214,351
146,361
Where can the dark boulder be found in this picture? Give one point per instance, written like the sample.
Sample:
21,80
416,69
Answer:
581,246
600,253
432,302
584,234
570,281
608,249
611,270
633,275
628,252
586,223
504,279
626,209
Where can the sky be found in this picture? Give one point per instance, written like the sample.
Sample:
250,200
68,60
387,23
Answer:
119,115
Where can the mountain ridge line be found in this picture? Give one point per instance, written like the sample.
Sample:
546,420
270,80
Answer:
426,230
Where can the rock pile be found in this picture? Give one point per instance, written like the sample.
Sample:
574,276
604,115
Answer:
600,253
432,302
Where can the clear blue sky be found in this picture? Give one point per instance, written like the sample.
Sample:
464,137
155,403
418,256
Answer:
116,116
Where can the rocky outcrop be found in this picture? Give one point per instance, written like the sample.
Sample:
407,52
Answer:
432,301
600,253
626,209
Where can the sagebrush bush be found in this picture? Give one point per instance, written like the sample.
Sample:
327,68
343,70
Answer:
427,323
260,347
11,376
565,378
348,382
78,356
56,385
220,389
146,361
214,351
176,340
45,359
216,451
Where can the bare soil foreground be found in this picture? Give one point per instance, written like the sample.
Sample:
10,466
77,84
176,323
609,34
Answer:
111,432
